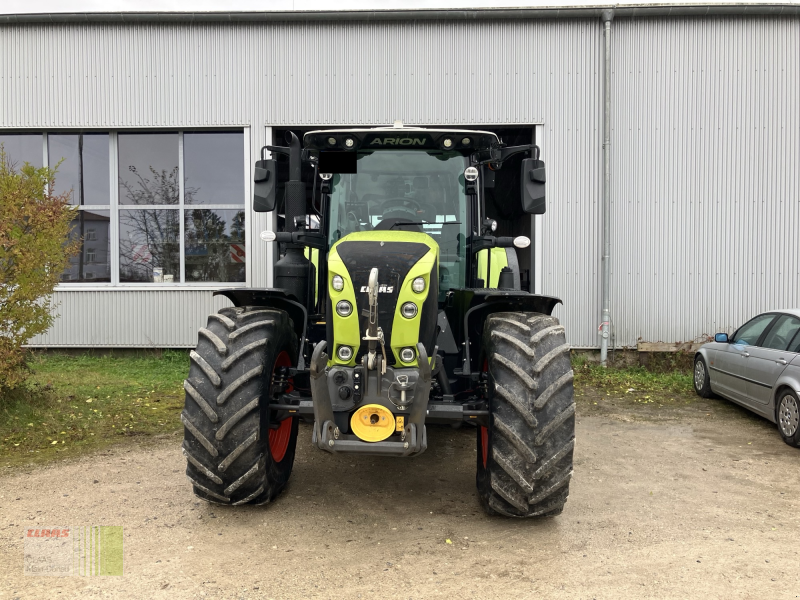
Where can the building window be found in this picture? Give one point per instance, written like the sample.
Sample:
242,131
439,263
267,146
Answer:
82,163
156,208
21,148
163,238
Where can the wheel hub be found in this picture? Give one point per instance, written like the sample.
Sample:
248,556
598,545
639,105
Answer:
699,375
788,415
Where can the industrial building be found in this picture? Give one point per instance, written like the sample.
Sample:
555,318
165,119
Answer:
158,118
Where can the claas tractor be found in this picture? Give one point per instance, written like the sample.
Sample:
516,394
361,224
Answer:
395,307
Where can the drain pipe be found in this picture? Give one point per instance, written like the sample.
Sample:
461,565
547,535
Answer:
605,319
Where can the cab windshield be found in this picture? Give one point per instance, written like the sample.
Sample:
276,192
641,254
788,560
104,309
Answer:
407,190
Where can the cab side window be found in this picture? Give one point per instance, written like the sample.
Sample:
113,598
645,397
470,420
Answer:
782,332
748,334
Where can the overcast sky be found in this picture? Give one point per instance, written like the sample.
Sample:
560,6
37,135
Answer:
45,6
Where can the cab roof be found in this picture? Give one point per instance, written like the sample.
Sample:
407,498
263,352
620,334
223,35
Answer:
401,137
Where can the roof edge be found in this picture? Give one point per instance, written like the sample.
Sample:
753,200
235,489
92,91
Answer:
582,12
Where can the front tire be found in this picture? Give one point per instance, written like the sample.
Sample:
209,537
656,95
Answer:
702,383
525,454
235,454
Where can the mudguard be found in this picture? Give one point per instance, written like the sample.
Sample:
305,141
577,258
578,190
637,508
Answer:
273,298
467,310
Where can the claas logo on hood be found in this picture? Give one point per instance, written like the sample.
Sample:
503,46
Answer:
382,289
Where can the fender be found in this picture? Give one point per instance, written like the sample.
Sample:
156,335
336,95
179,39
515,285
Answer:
476,305
277,299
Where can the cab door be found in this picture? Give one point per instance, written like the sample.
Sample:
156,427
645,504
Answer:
768,360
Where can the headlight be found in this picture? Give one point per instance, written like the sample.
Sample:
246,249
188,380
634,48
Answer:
344,308
407,355
409,310
344,353
418,285
338,283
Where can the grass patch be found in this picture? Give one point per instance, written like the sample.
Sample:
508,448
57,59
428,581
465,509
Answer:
677,379
76,403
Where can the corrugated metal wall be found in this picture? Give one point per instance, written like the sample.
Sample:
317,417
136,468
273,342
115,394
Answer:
706,184
130,319
694,197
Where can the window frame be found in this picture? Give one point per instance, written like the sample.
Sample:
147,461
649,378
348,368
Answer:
114,209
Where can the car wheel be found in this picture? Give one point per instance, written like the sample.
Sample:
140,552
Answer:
702,385
787,416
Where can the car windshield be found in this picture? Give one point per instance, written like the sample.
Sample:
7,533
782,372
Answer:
407,190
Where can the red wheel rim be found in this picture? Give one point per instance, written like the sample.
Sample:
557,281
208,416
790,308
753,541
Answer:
483,431
279,438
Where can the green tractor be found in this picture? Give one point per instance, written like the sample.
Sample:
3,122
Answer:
395,306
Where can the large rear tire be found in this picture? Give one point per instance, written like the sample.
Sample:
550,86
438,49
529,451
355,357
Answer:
235,454
525,455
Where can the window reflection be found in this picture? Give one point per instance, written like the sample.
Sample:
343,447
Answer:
215,249
93,262
212,164
84,166
148,168
23,147
149,246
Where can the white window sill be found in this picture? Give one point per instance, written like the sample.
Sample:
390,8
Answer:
155,287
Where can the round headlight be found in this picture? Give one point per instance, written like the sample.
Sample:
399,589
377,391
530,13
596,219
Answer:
409,310
331,141
349,142
418,285
447,143
465,141
344,353
338,283
493,225
407,355
325,176
344,308
471,174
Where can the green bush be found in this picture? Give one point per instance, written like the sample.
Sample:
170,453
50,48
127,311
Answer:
34,228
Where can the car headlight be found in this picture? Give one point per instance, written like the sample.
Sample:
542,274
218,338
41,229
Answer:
418,285
407,355
409,310
344,308
337,283
344,353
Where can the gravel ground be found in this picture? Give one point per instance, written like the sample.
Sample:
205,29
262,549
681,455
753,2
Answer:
694,499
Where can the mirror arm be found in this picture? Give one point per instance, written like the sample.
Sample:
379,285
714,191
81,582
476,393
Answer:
303,238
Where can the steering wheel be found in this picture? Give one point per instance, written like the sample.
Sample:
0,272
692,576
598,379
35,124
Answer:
353,222
407,205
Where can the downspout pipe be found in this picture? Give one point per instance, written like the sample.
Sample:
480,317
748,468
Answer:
605,318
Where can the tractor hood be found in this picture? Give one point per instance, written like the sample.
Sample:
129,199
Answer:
400,257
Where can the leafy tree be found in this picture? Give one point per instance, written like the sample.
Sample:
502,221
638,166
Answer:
34,251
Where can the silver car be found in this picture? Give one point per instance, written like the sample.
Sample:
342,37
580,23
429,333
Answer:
758,367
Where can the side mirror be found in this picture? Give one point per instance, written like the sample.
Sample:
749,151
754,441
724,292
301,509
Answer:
722,338
532,186
264,179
